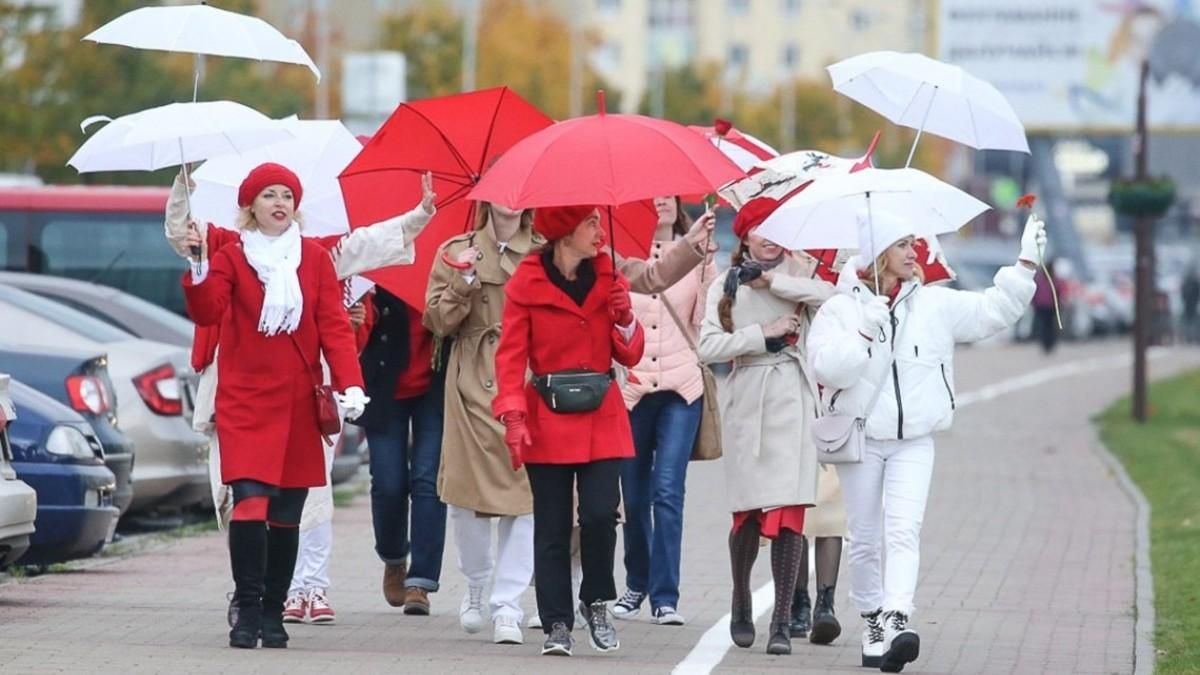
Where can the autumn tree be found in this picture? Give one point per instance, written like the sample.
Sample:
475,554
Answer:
52,80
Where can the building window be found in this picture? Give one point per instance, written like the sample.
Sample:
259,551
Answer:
739,7
738,56
791,7
791,57
608,7
860,20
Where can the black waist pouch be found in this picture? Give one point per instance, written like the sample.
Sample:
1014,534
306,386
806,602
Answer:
573,391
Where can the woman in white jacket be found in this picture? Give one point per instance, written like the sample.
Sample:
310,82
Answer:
899,339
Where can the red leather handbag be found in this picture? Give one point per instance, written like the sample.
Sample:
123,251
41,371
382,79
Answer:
329,419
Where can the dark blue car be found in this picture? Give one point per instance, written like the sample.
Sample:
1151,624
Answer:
56,452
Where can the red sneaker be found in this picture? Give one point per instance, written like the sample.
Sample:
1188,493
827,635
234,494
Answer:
295,608
319,610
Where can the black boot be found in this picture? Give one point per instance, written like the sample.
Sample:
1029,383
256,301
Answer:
779,642
282,544
785,565
248,561
801,614
743,550
825,626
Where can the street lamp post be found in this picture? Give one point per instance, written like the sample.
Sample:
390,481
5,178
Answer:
1144,260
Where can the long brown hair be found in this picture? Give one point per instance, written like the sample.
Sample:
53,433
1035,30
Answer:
683,222
725,306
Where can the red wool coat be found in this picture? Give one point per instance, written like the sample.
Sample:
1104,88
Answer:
544,331
265,404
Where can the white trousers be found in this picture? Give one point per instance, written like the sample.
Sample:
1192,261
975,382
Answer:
885,505
513,563
312,560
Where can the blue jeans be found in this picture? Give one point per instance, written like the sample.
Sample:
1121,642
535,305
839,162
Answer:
652,486
401,471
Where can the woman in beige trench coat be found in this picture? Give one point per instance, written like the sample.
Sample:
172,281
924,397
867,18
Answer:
464,301
757,315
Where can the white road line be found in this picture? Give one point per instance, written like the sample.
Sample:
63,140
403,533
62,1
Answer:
715,643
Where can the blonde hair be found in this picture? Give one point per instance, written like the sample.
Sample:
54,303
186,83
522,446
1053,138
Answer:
867,276
247,223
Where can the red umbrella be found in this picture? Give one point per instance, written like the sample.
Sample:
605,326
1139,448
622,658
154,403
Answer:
606,160
454,137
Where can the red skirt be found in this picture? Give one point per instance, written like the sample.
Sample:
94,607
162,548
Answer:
771,522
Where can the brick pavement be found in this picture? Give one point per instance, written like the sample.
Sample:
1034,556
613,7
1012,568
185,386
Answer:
1027,568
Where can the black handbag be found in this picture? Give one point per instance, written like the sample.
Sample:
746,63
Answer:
573,391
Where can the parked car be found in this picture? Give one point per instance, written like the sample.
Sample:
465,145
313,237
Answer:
172,466
18,501
124,311
54,230
56,452
79,379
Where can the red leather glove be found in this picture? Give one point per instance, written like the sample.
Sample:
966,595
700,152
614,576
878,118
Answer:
620,307
516,437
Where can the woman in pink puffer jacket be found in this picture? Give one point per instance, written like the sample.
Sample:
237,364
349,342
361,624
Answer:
663,395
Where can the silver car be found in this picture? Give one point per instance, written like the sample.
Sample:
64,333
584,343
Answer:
171,465
18,502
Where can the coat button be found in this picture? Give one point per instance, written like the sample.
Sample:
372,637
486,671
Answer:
582,322
653,359
655,384
484,299
381,364
656,256
654,297
487,384
386,311
383,338
653,327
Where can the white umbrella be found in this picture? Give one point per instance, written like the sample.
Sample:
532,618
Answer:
828,213
925,94
317,154
173,134
200,29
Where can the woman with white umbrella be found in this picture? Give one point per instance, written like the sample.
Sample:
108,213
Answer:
883,348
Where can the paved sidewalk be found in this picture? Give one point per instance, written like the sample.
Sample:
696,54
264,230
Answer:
1027,568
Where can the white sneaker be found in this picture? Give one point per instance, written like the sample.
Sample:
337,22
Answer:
901,644
872,639
470,611
506,630
667,616
534,622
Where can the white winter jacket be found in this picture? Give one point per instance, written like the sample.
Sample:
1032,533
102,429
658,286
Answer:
927,321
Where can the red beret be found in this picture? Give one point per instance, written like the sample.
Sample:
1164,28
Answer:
556,222
753,213
264,175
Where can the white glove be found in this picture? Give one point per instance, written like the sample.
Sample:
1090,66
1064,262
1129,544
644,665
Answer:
875,315
353,401
1033,240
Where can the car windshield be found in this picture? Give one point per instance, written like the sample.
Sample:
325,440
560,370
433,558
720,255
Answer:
71,319
149,309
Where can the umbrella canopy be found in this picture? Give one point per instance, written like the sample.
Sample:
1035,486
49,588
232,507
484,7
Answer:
606,160
781,176
453,137
200,29
916,91
317,154
173,134
743,149
826,213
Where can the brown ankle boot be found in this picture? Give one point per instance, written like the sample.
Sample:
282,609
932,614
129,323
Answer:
393,584
416,601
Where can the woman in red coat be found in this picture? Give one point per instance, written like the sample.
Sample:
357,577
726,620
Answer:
279,306
567,317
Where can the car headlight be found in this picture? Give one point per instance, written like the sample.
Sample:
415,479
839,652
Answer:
69,442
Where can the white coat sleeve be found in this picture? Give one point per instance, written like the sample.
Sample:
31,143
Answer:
972,316
716,345
837,352
383,244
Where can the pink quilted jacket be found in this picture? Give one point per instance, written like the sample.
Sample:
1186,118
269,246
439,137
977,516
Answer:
669,364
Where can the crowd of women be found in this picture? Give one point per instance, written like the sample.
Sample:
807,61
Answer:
548,391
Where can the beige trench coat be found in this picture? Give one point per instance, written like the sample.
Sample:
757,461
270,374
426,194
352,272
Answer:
475,471
768,401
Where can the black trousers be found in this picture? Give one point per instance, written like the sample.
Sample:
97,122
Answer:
554,487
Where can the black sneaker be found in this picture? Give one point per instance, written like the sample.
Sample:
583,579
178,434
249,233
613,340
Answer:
559,642
630,604
600,630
